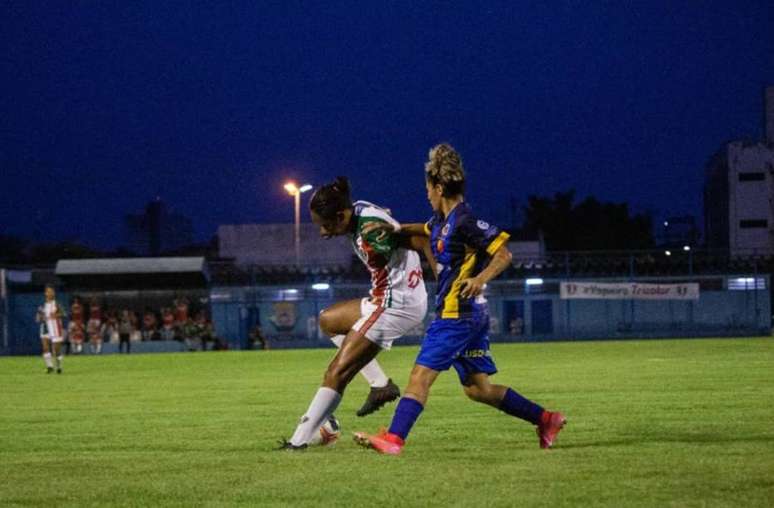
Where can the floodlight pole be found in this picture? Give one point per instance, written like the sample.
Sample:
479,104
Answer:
296,192
297,229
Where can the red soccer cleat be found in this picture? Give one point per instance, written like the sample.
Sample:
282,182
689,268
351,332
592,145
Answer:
383,442
550,425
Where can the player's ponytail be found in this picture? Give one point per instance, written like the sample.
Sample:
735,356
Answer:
444,168
331,199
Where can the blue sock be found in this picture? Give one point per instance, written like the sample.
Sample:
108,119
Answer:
516,405
406,414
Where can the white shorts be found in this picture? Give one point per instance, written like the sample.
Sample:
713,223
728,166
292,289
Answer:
383,325
52,339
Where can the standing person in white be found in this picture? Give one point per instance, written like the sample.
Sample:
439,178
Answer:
52,330
361,328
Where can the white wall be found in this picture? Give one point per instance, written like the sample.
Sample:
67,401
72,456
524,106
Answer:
751,200
272,244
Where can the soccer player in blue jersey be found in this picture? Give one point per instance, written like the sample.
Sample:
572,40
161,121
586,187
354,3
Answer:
470,252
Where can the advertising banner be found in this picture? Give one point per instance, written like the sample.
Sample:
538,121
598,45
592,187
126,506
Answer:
628,291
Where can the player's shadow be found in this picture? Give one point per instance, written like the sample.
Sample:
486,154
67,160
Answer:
671,437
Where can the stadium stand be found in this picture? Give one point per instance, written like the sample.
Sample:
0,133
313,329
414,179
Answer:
284,300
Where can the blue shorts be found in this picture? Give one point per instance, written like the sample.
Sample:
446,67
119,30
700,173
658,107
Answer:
462,343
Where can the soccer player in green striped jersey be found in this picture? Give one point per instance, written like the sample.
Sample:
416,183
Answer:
397,303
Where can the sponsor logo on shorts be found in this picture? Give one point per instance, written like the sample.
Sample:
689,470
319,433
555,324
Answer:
476,353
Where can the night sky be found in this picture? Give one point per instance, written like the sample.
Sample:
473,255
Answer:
212,106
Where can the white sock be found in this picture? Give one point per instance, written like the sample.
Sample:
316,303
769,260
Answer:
47,359
374,374
59,361
372,371
324,403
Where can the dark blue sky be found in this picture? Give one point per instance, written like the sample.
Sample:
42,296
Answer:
213,105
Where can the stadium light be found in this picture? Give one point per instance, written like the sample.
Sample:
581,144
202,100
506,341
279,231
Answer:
534,282
667,253
296,192
321,286
288,294
686,248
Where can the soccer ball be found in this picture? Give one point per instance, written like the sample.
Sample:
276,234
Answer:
328,434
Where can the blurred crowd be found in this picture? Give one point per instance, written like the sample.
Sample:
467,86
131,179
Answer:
95,325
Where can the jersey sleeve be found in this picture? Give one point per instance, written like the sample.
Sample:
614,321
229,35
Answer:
429,225
381,242
481,235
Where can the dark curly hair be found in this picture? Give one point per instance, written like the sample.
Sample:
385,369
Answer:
331,198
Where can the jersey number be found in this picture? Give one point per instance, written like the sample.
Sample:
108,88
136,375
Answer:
414,278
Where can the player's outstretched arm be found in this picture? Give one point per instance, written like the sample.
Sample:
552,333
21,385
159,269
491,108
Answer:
421,243
414,229
404,229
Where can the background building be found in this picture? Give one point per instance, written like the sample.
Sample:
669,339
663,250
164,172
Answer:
157,230
273,244
739,193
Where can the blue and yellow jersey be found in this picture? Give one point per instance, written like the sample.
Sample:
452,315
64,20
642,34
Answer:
462,246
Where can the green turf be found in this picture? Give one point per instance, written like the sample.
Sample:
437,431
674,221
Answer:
651,423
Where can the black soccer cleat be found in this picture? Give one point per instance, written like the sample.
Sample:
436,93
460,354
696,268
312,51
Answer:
286,445
49,370
378,397
59,370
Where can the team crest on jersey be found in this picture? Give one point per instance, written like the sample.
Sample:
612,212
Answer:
445,230
482,225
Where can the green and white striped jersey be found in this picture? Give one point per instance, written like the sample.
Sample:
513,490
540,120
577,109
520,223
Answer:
396,273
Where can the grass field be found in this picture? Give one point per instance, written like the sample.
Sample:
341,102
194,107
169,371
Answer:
651,423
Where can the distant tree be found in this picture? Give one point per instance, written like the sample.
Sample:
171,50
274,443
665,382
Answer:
588,225
207,249
121,252
53,252
12,249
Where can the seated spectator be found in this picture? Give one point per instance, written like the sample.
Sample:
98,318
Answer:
181,312
256,335
168,331
149,325
94,331
110,328
190,334
136,334
94,327
77,334
205,329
